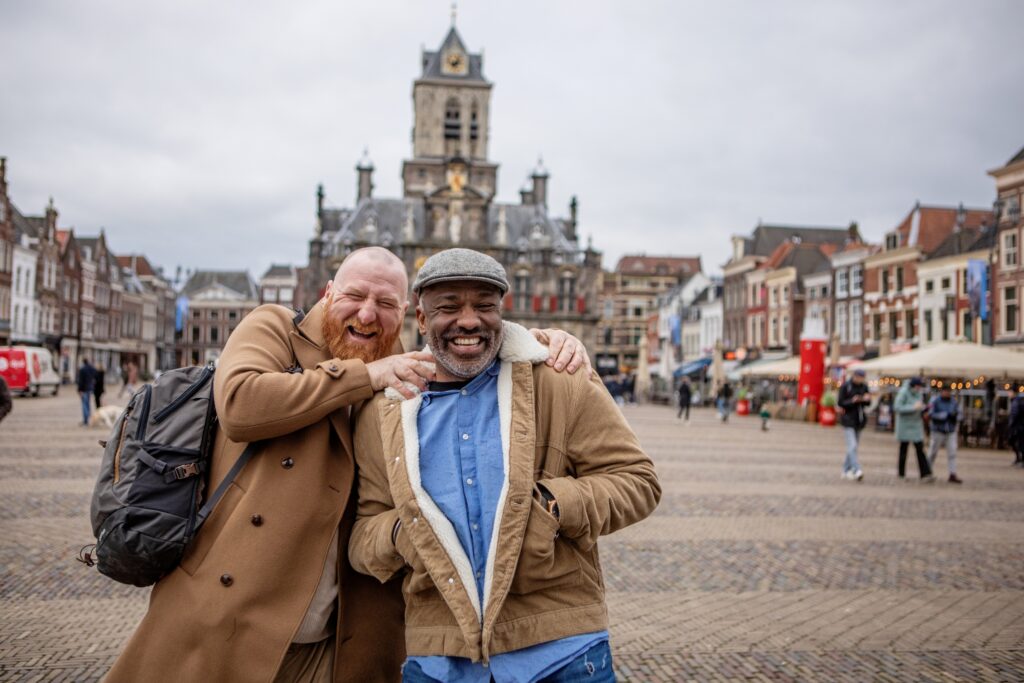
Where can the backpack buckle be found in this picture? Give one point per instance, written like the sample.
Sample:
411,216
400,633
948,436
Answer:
189,469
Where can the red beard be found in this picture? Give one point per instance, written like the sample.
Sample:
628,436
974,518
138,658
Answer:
342,347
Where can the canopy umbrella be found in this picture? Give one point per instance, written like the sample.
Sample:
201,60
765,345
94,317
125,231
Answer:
948,359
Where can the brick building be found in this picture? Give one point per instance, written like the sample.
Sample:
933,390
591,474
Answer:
6,255
847,267
1008,280
629,296
891,288
750,253
217,302
944,307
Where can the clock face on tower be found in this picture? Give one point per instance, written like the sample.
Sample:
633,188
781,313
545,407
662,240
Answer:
454,62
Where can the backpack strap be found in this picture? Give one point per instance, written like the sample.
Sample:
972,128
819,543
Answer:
222,488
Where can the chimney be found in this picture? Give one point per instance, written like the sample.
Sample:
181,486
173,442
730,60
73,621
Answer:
365,170
853,232
540,184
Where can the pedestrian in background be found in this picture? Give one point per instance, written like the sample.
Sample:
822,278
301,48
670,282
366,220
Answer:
6,404
86,385
1015,429
685,398
944,417
724,401
852,402
100,386
909,408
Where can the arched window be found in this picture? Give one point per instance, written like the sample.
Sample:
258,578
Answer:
452,119
474,123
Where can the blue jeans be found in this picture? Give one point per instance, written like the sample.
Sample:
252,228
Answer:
593,666
851,464
86,397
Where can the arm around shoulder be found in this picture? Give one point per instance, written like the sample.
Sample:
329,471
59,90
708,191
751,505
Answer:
257,398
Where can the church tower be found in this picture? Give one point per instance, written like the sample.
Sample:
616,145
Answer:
449,168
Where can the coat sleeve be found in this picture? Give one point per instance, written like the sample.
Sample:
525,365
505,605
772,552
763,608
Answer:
904,403
614,484
257,398
370,550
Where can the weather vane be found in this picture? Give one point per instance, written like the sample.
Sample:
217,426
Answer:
455,9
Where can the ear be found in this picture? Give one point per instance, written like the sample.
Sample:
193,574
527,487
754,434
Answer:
421,320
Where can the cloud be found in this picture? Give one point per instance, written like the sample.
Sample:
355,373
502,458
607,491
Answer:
197,132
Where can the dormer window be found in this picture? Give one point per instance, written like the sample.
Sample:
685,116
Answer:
892,241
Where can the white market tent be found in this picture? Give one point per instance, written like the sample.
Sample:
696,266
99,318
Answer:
948,359
772,368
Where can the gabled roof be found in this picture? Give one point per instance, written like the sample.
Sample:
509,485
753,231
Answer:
934,224
640,264
432,61
965,241
805,257
766,238
138,264
280,270
237,281
1019,156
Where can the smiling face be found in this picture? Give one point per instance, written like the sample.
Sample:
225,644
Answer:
461,322
365,304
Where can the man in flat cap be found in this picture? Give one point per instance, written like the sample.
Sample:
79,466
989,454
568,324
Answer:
265,592
489,491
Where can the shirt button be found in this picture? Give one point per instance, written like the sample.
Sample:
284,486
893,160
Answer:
465,437
469,481
479,574
475,526
465,393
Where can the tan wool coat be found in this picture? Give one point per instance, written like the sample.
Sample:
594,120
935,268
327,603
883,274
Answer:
543,578
231,609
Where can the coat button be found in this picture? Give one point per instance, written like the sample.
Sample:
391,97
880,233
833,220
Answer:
226,579
257,520
287,463
333,368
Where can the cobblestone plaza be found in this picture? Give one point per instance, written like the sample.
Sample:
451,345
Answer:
759,564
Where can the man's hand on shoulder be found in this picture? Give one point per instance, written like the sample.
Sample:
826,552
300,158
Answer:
565,352
415,368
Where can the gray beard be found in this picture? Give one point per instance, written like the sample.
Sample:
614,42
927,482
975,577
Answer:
457,367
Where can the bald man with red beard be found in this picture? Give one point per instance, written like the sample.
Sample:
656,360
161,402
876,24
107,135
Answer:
262,593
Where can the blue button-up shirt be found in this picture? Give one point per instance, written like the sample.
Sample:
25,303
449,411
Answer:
461,469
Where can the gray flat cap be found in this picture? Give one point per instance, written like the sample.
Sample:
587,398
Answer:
452,265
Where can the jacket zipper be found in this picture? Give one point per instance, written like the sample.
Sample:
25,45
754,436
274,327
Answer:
185,395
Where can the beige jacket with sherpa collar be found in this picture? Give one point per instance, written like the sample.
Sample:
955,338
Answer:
543,579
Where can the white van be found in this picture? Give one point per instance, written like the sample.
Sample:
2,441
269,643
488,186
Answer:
29,370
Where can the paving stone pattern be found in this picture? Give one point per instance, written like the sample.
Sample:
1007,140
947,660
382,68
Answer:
761,564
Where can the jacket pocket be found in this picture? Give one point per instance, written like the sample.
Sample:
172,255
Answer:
547,559
211,530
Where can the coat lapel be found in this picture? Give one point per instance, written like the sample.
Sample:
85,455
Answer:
310,349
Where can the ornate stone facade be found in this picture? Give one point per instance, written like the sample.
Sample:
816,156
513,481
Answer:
449,199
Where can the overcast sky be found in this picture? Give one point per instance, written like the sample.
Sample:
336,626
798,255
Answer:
196,132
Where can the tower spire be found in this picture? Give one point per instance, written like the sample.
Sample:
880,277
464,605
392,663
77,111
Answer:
455,10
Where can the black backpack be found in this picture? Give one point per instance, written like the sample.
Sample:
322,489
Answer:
145,506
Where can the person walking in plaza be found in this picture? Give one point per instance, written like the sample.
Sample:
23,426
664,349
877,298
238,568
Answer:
909,408
724,401
685,393
852,401
6,404
1015,429
100,385
130,375
944,418
86,381
488,493
265,591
